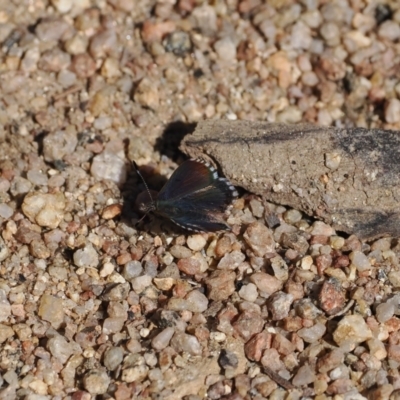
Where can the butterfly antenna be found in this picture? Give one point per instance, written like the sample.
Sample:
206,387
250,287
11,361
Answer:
144,182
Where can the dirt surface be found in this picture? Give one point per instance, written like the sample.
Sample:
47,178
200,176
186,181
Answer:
94,305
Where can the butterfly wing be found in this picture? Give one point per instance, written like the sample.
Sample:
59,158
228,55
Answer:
195,197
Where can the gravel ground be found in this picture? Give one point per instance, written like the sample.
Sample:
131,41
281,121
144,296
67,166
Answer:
93,306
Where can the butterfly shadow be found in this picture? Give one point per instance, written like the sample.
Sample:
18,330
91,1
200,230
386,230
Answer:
168,143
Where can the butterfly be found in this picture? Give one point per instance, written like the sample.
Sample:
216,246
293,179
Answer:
194,198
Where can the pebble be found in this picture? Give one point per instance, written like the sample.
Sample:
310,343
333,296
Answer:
196,242
51,309
113,358
20,186
86,257
360,261
109,166
5,307
179,251
197,302
161,340
220,285
61,349
279,305
225,49
266,284
132,269
249,292
46,210
4,251
351,330
58,144
182,342
96,381
260,239
135,374
312,334
304,376
392,111
231,261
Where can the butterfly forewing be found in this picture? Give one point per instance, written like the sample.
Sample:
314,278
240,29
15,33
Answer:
195,197
188,178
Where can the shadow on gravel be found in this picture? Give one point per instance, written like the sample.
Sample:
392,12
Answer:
168,144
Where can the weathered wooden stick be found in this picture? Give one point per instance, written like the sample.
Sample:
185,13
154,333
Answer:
349,178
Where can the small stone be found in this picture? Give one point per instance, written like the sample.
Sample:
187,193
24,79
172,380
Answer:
255,346
304,376
292,216
385,311
330,361
86,257
111,211
113,325
113,357
189,266
260,239
271,359
280,268
179,251
132,269
39,250
5,307
295,241
360,261
6,211
197,302
231,261
196,242
37,177
392,111
220,285
266,284
146,94
20,186
44,209
332,296
4,252
249,292
177,42
332,160
83,65
183,342
377,348
306,309
336,242
248,324
228,359
58,144
225,49
51,309
51,29
313,334
320,228
279,305
63,6
61,349
110,166
111,68
161,341
96,381
135,374
351,330
140,283
6,332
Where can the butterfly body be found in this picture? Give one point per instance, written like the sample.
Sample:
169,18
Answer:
195,197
